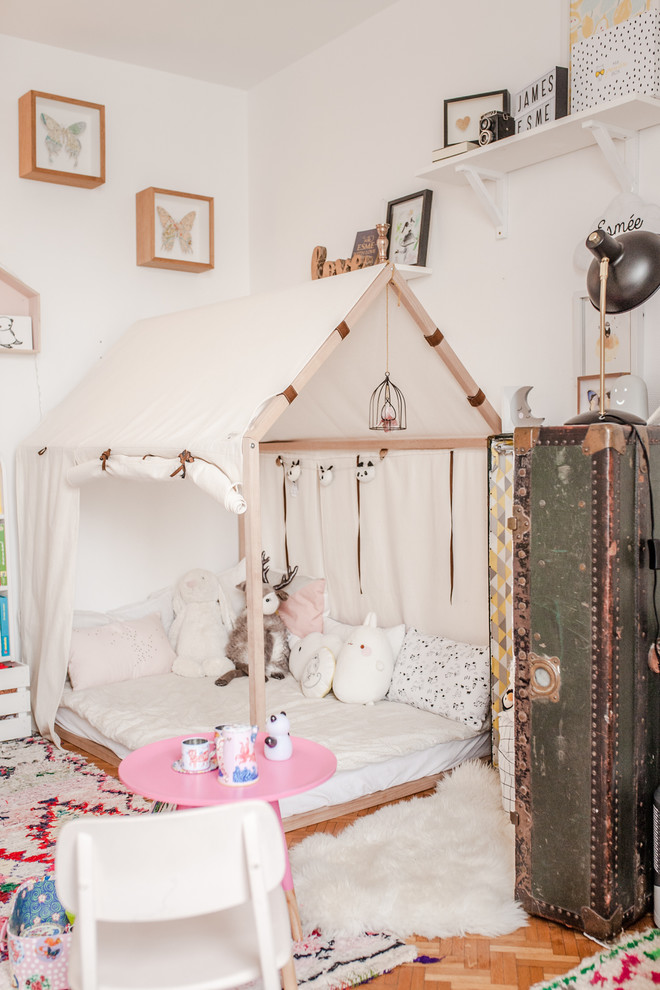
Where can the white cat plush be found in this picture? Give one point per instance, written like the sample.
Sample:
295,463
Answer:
364,666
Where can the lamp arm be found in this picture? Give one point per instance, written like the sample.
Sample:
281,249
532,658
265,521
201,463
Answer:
604,269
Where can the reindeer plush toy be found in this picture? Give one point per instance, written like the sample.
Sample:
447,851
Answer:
276,642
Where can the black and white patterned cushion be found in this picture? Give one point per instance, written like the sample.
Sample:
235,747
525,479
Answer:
439,675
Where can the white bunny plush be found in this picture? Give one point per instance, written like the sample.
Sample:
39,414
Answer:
202,622
365,665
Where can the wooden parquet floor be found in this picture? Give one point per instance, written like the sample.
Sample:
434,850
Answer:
540,951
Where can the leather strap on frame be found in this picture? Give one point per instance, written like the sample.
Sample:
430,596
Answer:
359,546
290,394
434,339
343,329
286,542
476,400
451,525
185,457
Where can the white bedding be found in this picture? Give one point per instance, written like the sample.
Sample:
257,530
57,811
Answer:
388,741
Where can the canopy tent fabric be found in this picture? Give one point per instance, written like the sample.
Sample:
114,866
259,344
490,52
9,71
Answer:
206,476
195,379
188,388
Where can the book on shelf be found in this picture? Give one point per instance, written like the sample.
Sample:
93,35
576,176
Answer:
454,149
366,246
3,555
10,664
4,627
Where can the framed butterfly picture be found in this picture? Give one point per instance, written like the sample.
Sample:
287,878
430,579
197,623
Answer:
174,230
61,140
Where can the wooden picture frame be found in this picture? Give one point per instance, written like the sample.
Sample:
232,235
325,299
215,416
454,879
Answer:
462,114
588,392
61,140
410,219
623,345
174,230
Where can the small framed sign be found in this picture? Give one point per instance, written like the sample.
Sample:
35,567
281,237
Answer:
588,392
16,334
541,101
623,339
462,114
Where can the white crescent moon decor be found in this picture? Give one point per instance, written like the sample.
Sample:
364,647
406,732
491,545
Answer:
521,414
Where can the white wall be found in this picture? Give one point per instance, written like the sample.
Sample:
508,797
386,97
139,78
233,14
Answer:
344,131
331,140
76,247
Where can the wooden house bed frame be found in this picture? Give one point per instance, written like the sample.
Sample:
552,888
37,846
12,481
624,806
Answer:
250,538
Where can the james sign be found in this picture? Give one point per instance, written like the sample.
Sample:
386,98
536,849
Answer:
543,100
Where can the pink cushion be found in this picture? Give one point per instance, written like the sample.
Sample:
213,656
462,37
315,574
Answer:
119,651
302,612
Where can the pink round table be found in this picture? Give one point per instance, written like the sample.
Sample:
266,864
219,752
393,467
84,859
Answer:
148,771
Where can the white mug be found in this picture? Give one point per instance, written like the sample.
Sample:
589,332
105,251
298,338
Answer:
195,754
237,757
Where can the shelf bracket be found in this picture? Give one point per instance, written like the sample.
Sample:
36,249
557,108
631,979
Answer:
497,205
625,166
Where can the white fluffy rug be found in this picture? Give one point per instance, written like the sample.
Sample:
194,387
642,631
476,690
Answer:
435,867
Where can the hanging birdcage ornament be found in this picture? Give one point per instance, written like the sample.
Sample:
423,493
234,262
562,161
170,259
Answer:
387,408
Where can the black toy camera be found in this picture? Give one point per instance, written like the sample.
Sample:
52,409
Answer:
495,125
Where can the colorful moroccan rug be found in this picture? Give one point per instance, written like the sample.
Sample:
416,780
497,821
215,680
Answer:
633,962
42,787
333,963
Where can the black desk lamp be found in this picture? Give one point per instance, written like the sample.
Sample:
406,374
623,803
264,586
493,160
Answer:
625,272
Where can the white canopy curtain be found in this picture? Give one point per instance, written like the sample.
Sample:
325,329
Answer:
214,381
51,508
423,559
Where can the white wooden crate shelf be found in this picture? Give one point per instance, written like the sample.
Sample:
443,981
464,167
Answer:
15,718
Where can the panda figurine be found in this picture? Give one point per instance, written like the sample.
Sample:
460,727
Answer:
277,744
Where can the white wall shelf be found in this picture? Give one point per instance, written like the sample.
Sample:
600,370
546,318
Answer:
613,127
15,716
413,271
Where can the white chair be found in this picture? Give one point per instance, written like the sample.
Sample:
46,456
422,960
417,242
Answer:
181,899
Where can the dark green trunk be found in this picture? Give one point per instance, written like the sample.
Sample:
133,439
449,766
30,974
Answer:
587,706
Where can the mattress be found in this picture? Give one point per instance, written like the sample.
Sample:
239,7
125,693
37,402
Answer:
377,746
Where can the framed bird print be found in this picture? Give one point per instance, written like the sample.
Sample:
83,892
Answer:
61,140
174,230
